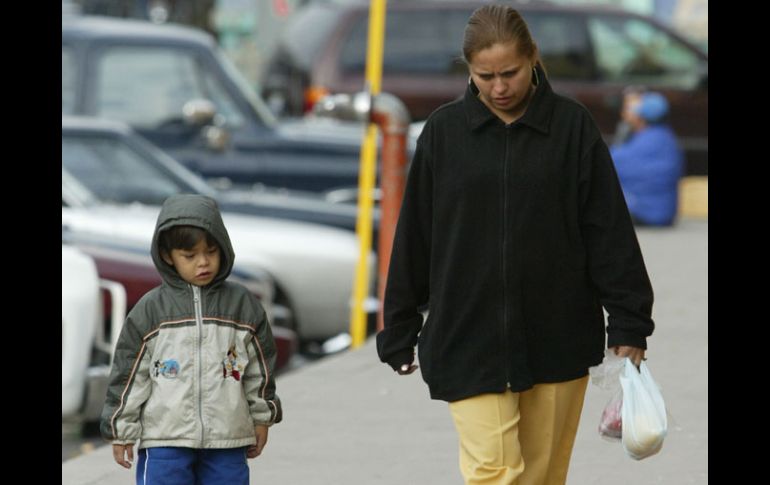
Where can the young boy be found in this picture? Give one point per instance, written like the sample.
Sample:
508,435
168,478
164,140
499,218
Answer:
194,422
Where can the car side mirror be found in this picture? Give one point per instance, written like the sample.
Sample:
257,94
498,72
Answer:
199,112
217,138
202,113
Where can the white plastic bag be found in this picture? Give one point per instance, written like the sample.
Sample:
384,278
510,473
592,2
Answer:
605,375
643,412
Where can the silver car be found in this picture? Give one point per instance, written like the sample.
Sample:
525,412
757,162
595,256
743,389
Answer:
104,182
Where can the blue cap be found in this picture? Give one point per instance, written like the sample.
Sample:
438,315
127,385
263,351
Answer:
652,108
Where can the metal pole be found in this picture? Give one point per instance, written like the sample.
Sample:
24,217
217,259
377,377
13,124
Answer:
392,117
367,174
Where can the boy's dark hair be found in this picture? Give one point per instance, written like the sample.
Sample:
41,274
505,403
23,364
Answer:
183,237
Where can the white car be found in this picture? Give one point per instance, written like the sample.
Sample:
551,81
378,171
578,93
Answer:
312,265
84,381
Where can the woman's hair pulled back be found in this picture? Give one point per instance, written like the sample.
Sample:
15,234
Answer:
493,24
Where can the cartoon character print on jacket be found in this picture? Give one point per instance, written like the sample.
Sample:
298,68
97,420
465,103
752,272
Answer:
230,366
168,368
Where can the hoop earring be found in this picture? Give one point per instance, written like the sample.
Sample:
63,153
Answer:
534,74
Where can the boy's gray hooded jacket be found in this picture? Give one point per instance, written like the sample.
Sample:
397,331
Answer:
193,365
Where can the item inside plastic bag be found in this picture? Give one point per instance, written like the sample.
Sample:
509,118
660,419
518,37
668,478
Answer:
607,377
611,423
643,412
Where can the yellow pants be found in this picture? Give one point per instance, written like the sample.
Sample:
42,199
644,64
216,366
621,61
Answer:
519,438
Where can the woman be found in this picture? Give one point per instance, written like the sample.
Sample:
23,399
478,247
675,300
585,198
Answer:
514,234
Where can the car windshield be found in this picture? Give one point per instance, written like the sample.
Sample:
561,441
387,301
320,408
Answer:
115,172
148,87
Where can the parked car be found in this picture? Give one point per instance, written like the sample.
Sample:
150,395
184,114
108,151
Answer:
94,304
119,139
84,378
312,265
130,265
591,53
175,87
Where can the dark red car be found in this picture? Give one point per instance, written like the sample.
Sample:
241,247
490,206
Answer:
132,267
591,53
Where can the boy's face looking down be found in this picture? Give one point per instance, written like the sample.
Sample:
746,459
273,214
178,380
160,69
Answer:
198,265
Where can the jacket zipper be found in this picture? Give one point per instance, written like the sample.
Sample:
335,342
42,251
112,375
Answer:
505,272
199,325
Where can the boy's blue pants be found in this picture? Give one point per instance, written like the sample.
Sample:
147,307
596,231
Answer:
189,466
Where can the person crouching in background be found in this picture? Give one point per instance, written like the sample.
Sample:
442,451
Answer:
649,162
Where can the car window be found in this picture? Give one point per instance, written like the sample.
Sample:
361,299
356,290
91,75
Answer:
430,43
115,172
68,70
633,51
148,86
436,33
563,44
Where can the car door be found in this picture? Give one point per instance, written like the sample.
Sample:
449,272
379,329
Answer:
566,51
148,87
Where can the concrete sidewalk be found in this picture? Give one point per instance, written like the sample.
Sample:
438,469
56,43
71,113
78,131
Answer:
350,420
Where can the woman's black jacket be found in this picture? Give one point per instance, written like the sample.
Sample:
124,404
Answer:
515,237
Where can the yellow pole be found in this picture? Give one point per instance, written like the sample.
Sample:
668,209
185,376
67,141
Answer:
375,45
368,174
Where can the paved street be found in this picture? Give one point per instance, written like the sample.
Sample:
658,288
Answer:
349,420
